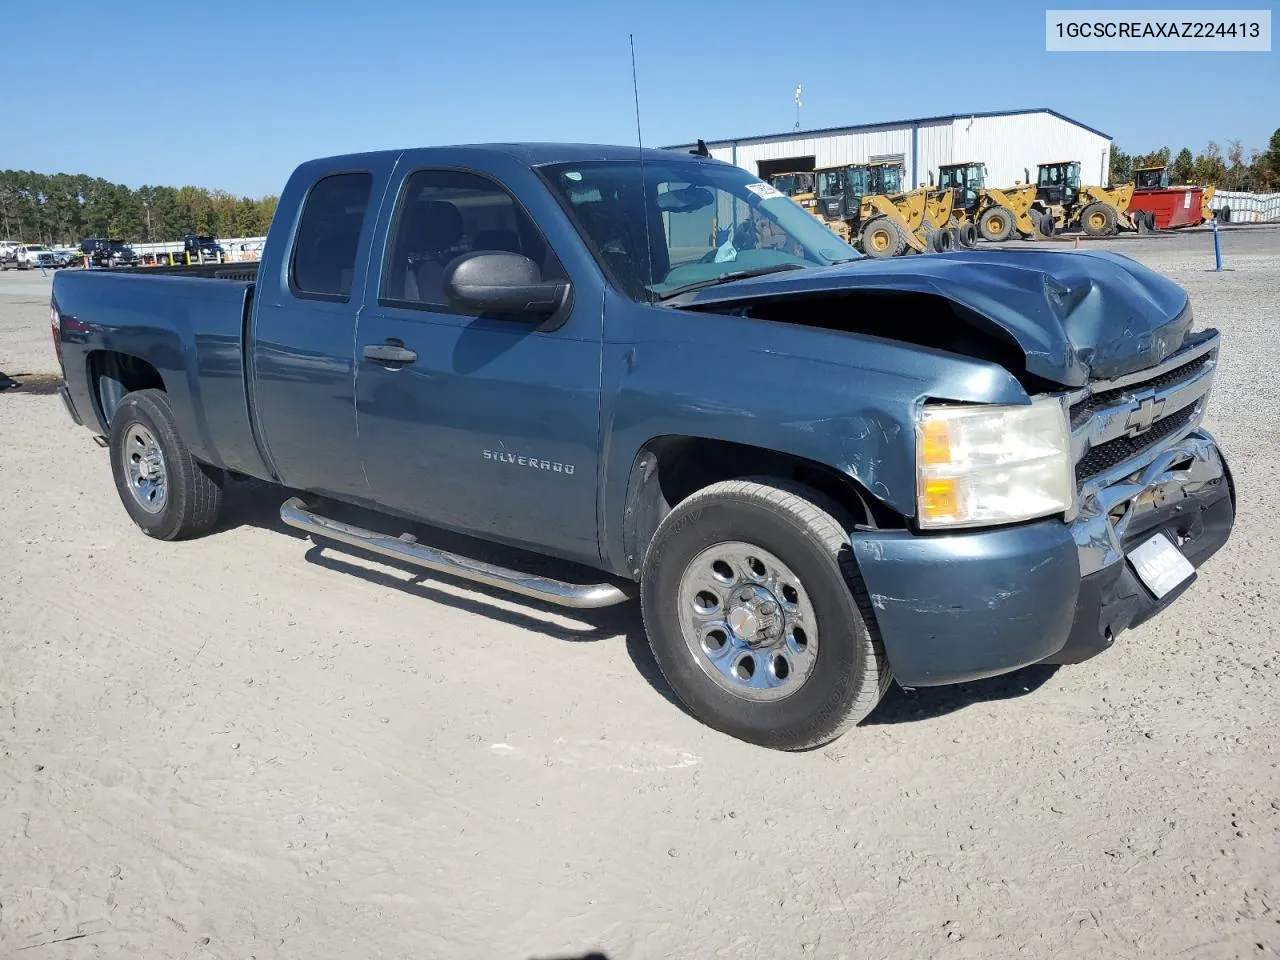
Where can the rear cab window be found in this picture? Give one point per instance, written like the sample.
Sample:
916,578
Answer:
328,240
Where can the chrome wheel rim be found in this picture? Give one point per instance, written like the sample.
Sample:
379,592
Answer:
748,621
148,474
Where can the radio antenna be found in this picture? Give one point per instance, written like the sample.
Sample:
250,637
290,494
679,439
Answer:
635,89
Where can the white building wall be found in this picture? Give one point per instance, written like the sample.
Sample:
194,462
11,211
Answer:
1010,145
827,151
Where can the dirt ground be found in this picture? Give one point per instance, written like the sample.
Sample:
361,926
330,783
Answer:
245,746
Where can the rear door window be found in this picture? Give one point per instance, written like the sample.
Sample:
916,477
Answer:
328,241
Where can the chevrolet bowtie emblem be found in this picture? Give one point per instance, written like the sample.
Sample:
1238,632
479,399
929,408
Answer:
1141,419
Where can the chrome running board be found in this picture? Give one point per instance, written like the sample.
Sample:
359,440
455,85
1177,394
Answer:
579,596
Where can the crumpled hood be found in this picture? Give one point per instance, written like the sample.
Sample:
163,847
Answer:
1076,315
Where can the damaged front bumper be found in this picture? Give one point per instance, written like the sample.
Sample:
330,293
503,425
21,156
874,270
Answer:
964,606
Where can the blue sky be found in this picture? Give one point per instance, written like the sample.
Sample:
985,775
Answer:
181,93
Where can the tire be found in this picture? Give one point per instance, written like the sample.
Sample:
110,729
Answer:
882,239
1044,225
838,669
967,234
996,224
1098,220
182,496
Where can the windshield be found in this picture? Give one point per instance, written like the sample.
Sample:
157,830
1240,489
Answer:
1152,178
829,183
889,179
793,183
705,221
35,247
117,245
951,178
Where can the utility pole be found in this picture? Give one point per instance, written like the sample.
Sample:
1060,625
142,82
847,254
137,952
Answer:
798,106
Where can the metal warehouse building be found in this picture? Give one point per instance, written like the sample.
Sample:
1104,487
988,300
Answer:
1009,142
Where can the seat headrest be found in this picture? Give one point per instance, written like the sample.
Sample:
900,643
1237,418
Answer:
433,225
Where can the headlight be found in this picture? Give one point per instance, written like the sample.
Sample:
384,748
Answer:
980,465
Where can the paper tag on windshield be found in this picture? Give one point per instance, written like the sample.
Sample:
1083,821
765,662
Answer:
764,191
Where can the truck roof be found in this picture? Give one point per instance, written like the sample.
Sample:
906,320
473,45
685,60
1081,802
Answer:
533,154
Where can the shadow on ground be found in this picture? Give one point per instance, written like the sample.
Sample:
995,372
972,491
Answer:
257,504
34,384
925,703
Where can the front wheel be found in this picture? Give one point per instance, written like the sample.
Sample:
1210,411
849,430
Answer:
882,239
996,224
1098,220
757,615
168,493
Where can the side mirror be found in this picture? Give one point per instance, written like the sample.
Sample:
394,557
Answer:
506,283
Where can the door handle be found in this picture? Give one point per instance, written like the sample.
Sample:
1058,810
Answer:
391,352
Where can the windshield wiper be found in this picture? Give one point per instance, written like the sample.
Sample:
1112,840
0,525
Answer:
730,277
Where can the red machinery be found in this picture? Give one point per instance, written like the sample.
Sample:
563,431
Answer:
1171,206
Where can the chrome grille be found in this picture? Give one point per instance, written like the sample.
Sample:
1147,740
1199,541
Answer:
1114,452
1116,423
1081,412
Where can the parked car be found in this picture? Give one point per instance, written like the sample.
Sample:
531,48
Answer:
9,254
819,471
66,257
108,252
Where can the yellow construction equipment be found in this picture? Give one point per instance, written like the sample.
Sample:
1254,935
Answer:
996,214
797,185
1098,211
866,205
1206,211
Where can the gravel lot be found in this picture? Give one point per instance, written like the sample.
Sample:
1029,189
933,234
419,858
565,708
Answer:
244,746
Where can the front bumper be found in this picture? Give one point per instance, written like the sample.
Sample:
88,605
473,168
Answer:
964,606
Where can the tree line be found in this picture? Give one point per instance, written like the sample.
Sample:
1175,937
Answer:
64,208
1259,172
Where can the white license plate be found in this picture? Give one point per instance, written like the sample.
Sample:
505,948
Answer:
1160,565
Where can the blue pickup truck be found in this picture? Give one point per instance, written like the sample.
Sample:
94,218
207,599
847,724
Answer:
819,472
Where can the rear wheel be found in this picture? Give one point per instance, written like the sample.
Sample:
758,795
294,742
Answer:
996,224
881,238
169,494
757,616
1098,220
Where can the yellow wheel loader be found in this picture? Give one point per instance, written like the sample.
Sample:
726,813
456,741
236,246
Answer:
995,214
799,186
1098,211
866,205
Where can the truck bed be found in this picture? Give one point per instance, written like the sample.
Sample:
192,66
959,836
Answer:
189,324
243,270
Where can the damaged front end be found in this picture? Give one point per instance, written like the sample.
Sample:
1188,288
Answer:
962,606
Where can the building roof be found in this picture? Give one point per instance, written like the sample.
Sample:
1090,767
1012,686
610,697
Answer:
827,131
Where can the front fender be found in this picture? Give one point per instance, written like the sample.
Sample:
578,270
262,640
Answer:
842,400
